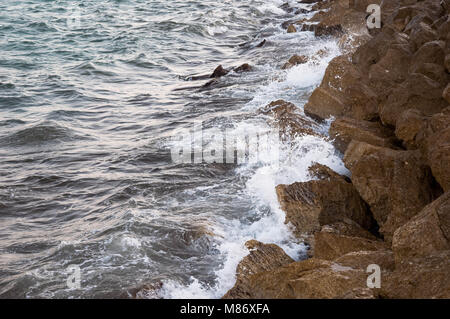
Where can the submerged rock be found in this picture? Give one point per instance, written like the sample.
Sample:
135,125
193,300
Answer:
219,71
295,60
291,29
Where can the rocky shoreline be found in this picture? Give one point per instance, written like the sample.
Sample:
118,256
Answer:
389,94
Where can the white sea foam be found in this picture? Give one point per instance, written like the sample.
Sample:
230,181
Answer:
289,165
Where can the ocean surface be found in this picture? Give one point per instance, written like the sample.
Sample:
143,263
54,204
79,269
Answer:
92,94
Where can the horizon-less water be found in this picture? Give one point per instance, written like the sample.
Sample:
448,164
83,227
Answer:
89,100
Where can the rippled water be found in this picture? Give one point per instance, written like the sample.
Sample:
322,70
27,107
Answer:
91,93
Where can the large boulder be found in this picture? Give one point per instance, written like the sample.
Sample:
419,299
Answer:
409,124
394,183
389,71
344,130
311,205
262,257
417,92
312,278
426,233
342,92
420,278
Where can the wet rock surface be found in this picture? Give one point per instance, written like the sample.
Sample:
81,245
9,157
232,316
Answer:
390,99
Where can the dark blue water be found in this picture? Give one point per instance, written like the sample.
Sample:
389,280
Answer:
91,93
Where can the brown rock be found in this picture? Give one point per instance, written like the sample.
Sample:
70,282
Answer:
342,92
320,171
419,278
409,124
312,278
417,92
321,30
433,71
439,157
295,60
218,72
362,259
344,130
287,118
243,68
422,33
391,69
310,205
262,257
446,94
359,293
426,233
330,246
447,62
371,52
394,183
349,228
291,29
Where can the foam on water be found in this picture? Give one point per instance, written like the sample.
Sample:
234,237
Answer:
287,166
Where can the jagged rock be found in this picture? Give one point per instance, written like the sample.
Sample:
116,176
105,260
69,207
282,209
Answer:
394,183
262,257
291,29
218,72
409,124
422,33
389,71
426,233
419,278
312,278
344,130
243,68
417,92
350,42
433,71
295,60
320,171
310,205
321,30
342,93
371,52
330,246
288,119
